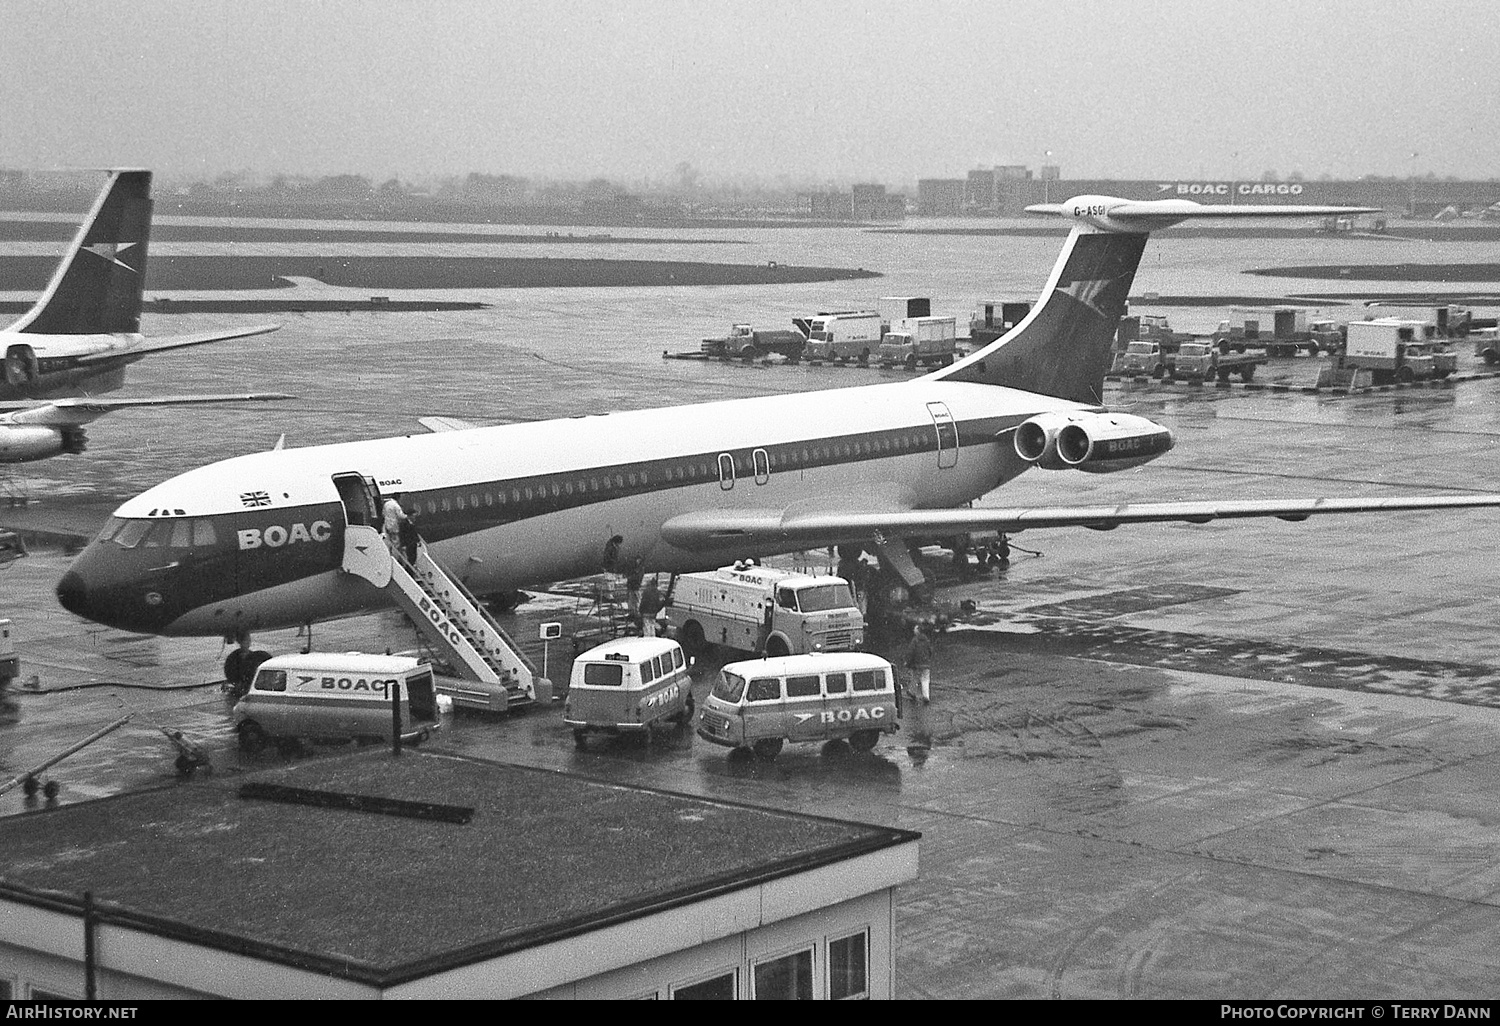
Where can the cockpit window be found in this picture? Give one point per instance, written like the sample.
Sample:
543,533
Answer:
131,534
182,534
203,532
110,527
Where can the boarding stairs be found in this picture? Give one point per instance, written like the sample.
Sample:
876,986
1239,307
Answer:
452,620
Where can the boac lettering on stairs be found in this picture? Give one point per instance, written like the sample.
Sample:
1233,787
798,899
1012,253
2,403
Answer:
440,620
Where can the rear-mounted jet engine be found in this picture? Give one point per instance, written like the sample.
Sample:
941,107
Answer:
1095,442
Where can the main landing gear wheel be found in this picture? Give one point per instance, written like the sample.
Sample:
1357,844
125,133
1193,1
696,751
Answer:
767,748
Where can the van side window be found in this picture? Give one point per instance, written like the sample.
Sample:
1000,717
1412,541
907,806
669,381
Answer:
869,680
838,683
648,670
656,666
604,674
677,658
270,680
764,689
802,687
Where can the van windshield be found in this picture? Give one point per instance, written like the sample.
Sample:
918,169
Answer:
729,687
824,596
604,674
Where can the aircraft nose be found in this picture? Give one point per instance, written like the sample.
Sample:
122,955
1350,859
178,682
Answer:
72,593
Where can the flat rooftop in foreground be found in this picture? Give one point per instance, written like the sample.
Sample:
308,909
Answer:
381,898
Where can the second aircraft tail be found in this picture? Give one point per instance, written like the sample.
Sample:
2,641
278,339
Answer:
97,288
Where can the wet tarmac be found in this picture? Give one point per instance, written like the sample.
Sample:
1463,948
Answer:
1249,760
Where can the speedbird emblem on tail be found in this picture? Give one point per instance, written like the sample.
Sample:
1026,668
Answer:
678,488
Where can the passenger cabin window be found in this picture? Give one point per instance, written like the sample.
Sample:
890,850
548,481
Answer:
869,680
764,689
726,471
803,687
610,675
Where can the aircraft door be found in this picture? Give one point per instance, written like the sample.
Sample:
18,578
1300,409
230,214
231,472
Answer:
365,551
20,365
947,434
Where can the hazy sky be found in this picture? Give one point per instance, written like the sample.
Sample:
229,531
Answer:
837,90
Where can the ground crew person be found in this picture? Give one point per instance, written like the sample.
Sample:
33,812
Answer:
651,604
919,661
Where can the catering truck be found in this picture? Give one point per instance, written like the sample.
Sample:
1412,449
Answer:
1393,349
843,335
760,610
929,341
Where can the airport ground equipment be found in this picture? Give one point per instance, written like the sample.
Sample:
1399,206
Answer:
761,610
1487,345
994,319
746,343
1200,361
1393,349
930,342
1283,331
496,674
841,335
35,771
10,664
1327,337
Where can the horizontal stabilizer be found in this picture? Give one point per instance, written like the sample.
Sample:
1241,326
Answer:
1112,214
755,528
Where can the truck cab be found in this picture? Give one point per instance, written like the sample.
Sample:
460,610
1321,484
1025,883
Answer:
1143,358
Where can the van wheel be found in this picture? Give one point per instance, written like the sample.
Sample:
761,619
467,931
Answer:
1405,375
864,740
580,739
691,638
252,736
767,748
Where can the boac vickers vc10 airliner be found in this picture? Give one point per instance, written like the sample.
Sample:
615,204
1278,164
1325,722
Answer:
259,541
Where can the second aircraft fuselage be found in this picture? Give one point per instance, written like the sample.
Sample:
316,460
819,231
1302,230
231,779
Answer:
49,366
256,542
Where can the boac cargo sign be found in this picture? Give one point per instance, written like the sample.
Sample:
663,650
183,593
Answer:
1227,189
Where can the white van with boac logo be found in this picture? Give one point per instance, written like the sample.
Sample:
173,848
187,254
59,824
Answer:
331,696
760,703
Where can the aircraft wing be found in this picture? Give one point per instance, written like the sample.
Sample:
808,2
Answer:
707,530
156,345
82,409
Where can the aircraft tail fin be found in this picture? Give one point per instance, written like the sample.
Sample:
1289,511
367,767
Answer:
1063,346
97,287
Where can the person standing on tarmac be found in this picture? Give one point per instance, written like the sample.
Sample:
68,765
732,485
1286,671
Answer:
651,604
919,661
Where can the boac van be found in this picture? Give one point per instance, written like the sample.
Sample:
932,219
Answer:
758,704
330,696
626,686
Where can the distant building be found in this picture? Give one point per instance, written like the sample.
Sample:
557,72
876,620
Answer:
940,197
425,876
864,202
